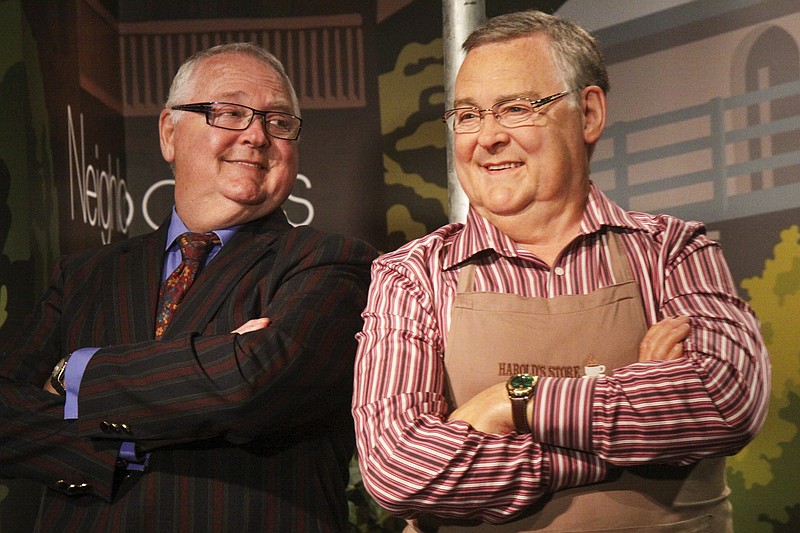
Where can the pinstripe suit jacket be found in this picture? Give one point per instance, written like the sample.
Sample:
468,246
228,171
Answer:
247,433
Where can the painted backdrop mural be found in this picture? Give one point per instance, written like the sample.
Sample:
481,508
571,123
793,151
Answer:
703,109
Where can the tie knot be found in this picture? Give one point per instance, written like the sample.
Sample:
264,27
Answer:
195,246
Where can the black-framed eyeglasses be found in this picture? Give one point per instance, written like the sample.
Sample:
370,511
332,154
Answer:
511,113
229,116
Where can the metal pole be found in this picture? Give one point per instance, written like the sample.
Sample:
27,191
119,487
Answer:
460,18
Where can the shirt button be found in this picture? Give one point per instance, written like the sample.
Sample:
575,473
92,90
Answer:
558,271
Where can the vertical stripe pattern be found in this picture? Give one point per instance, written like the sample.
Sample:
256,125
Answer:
710,402
248,432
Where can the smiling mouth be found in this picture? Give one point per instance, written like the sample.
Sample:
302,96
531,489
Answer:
503,166
257,166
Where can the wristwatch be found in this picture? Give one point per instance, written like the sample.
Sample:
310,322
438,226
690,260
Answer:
521,388
57,377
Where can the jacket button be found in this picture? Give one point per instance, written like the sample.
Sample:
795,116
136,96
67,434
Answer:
105,427
81,488
73,489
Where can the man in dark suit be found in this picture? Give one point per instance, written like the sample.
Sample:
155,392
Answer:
234,415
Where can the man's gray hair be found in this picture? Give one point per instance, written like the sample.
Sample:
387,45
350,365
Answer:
182,84
576,53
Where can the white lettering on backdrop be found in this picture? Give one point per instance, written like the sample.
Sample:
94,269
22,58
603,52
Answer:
102,194
102,197
171,183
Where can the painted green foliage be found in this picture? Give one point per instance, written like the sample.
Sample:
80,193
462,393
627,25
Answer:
765,476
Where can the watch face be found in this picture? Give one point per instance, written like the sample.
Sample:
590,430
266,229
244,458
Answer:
522,381
521,385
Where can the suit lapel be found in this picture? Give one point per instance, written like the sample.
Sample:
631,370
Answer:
131,288
224,272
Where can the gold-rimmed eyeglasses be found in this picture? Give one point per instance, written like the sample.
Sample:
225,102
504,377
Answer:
229,116
511,113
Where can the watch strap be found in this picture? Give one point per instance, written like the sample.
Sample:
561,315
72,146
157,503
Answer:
519,412
521,388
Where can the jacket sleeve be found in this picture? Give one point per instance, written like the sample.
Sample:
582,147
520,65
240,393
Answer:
711,402
36,443
283,381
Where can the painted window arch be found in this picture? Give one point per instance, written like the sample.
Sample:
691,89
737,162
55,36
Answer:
773,59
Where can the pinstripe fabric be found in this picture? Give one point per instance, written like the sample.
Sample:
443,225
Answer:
712,402
248,432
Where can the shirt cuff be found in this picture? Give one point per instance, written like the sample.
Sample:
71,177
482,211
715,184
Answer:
73,375
133,461
562,412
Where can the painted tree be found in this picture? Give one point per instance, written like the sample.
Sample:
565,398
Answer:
764,476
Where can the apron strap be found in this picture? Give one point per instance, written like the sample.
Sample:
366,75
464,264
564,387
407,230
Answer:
466,277
620,266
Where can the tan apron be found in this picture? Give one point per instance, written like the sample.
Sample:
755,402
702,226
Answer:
494,335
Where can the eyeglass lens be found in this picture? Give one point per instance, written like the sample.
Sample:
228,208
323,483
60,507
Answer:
239,117
509,113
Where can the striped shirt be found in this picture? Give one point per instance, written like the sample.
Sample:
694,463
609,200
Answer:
710,402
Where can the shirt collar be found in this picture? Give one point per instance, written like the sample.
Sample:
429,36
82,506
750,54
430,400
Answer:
177,228
478,234
601,211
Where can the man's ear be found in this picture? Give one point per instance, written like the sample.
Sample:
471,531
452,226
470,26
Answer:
594,113
166,135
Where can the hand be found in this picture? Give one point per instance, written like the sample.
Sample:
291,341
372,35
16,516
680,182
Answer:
252,325
488,411
664,340
49,388
60,368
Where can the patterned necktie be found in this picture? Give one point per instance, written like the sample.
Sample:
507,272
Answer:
194,250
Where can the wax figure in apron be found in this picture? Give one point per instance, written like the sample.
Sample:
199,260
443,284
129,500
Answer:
575,336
